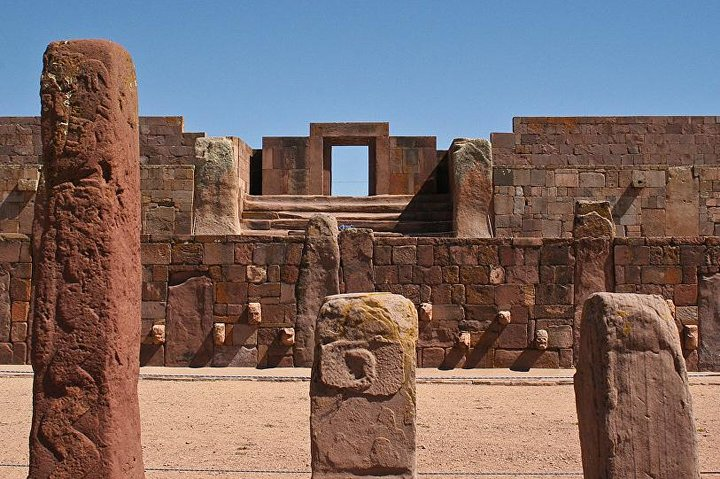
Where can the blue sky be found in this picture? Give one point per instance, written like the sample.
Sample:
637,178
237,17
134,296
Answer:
444,68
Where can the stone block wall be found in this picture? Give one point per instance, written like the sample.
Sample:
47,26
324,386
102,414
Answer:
413,165
468,282
671,268
193,285
242,270
20,140
18,185
399,165
167,198
163,141
657,173
15,290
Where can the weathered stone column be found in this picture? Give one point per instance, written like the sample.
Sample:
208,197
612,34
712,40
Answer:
362,393
631,389
594,231
356,257
471,187
217,188
709,322
86,345
318,277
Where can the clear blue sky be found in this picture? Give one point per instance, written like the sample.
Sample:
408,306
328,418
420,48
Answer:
444,68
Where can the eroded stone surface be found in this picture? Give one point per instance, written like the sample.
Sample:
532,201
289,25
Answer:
363,387
356,253
541,339
5,310
216,202
471,187
709,323
189,323
254,313
425,312
593,219
594,268
633,402
157,334
318,277
86,326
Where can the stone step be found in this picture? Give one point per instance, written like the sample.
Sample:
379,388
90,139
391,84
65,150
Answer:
369,204
341,216
404,227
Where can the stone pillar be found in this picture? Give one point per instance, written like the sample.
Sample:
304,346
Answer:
356,257
362,392
594,230
471,187
86,327
217,188
709,322
318,277
631,389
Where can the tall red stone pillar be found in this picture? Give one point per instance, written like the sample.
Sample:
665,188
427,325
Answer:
86,328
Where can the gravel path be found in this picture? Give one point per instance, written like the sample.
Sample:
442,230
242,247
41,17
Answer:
259,426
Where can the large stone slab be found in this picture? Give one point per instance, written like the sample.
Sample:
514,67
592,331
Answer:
471,187
86,327
189,325
362,392
709,323
318,277
356,258
633,402
217,188
682,202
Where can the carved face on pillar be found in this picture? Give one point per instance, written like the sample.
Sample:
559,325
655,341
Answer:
373,367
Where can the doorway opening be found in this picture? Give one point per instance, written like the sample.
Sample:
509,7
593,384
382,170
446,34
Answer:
350,171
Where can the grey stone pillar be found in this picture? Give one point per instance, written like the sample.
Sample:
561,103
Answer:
217,188
362,393
631,389
471,187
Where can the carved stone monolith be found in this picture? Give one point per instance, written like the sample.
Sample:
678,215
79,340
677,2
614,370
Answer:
318,277
631,388
217,188
362,392
356,255
86,328
471,187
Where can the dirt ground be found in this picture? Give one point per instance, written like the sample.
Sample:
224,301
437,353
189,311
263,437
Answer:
250,428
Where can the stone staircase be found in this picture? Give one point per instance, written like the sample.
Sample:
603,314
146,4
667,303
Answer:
385,214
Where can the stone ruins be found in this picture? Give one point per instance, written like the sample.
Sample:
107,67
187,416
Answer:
126,241
532,223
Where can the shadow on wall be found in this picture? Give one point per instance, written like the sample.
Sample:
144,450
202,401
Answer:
625,202
430,211
15,202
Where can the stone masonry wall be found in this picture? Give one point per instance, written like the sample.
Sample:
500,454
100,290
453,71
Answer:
659,174
670,267
467,282
15,285
167,198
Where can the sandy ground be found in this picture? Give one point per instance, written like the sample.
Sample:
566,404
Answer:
256,426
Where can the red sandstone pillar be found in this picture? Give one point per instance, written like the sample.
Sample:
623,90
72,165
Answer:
86,328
